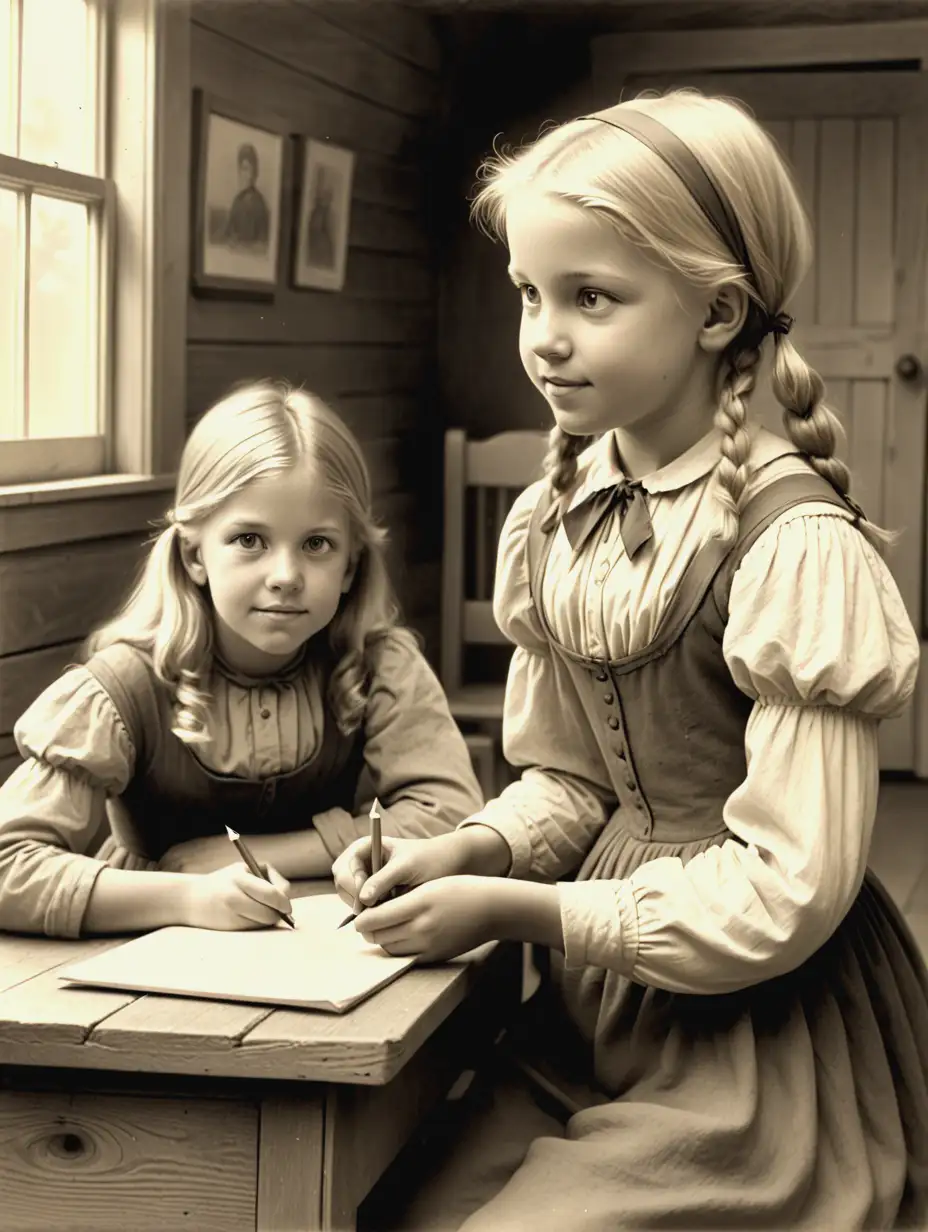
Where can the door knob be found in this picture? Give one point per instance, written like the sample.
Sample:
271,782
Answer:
909,368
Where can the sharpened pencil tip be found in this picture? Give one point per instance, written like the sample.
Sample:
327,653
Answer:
232,834
375,809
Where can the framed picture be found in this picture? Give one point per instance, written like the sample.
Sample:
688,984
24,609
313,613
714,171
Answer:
239,194
323,217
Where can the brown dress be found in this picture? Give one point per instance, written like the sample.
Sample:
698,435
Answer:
792,1092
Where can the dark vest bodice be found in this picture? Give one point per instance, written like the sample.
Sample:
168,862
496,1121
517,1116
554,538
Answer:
670,720
173,797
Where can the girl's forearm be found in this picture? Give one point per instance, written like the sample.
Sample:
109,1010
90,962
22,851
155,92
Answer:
300,854
484,852
525,911
123,900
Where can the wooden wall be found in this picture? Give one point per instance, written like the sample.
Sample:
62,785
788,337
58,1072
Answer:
366,77
52,596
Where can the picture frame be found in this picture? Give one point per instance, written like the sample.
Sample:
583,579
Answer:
323,216
241,192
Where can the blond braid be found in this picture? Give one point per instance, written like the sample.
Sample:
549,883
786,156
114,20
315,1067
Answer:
813,427
561,459
731,420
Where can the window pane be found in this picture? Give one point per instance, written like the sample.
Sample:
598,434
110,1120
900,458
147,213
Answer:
7,79
10,412
57,85
62,393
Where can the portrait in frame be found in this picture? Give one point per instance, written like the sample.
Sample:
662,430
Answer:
323,216
241,170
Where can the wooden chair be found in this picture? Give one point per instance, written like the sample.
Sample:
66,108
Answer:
482,479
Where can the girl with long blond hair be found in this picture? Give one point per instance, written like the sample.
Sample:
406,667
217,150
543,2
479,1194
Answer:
733,1029
257,677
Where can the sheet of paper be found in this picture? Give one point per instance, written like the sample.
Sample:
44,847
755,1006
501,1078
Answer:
314,966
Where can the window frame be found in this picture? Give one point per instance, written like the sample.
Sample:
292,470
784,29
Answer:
27,458
147,67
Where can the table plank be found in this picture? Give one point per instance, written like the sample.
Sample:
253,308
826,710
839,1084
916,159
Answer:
42,1012
368,1044
39,1005
179,1025
23,957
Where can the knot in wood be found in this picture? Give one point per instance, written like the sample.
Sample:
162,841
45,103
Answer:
69,1145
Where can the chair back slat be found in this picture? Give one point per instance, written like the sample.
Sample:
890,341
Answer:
480,627
505,497
509,459
482,480
478,530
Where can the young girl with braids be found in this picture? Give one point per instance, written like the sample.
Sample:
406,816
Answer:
734,1026
256,677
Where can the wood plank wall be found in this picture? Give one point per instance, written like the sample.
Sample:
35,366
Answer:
366,77
52,596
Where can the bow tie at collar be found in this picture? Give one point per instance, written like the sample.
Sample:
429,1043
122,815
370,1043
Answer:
627,496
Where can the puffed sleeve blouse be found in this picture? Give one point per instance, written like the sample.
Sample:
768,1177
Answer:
817,636
77,754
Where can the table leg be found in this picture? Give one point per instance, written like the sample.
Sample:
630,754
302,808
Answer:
366,1127
290,1163
319,1155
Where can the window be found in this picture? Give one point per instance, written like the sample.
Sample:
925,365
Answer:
85,156
57,211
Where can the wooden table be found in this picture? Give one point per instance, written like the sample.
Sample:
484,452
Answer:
130,1113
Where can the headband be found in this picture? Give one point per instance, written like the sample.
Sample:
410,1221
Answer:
702,188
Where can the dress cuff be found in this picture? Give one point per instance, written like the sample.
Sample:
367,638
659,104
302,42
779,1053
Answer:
599,922
64,914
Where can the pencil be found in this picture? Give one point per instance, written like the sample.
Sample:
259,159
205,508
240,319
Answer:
376,851
255,868
376,838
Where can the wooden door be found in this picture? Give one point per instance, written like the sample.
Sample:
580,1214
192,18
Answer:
858,146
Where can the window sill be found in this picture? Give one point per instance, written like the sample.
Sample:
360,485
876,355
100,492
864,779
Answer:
95,486
37,515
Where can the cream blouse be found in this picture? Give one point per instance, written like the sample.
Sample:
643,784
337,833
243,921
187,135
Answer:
817,636
78,754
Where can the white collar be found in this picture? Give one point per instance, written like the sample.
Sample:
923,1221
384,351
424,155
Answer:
601,468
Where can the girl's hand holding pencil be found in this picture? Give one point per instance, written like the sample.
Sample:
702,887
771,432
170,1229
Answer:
435,921
406,862
454,895
442,911
233,898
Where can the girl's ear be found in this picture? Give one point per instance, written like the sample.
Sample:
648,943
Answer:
350,573
192,560
725,317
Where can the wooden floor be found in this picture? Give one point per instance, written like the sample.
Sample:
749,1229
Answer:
899,855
